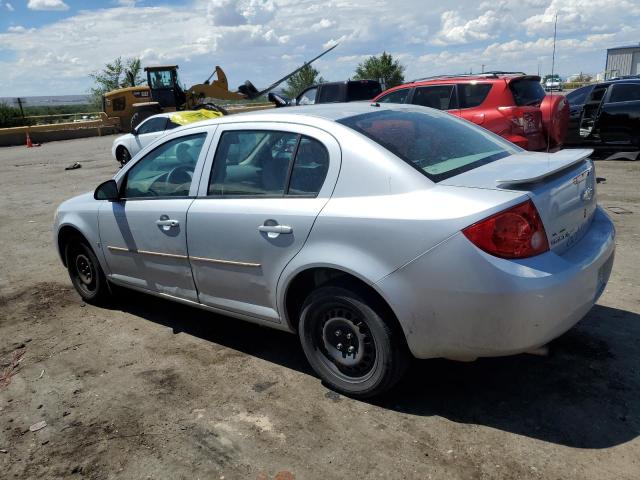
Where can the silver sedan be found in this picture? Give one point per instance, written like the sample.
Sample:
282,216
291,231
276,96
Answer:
375,232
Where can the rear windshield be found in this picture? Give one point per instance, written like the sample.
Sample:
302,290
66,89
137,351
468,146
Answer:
527,92
438,146
363,91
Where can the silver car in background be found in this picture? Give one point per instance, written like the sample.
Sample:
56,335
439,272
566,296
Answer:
374,232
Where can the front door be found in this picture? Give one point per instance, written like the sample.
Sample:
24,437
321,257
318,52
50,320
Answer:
619,120
143,235
258,200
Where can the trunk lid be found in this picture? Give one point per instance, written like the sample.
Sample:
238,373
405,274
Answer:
562,186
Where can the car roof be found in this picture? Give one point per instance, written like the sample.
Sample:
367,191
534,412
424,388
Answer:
312,114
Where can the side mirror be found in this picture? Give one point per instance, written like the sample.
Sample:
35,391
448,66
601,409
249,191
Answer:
107,191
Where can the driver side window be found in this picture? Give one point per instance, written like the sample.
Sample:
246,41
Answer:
166,171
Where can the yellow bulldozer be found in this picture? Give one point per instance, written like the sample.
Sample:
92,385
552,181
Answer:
164,93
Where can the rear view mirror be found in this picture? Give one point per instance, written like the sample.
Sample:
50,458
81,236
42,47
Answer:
107,191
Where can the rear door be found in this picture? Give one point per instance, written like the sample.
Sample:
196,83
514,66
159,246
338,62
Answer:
440,97
619,121
258,199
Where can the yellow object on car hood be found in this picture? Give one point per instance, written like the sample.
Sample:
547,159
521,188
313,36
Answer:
190,116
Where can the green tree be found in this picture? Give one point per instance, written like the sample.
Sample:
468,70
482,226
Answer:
11,117
116,74
384,67
304,78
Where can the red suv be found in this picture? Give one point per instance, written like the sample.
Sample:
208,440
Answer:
512,105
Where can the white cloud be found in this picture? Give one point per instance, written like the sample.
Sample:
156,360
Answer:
9,7
262,40
47,5
233,12
322,24
17,29
456,30
581,16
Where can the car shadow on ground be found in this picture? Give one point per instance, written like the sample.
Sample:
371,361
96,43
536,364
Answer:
585,394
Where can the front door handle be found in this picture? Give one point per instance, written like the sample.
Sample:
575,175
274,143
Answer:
275,229
167,222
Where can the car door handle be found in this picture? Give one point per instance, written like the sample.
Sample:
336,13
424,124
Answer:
275,229
167,223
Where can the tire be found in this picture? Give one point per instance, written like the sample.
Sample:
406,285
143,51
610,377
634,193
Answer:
123,155
85,272
332,315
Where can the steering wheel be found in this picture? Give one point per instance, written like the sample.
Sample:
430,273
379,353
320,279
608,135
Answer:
179,175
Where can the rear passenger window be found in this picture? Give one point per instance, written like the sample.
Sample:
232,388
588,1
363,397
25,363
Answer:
472,95
440,97
252,163
399,96
309,169
625,92
259,163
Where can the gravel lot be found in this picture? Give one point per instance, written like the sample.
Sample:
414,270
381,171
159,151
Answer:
151,389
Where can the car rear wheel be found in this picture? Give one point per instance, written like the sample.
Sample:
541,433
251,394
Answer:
85,272
123,155
349,344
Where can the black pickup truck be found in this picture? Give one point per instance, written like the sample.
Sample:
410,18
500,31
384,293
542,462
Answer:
606,116
332,92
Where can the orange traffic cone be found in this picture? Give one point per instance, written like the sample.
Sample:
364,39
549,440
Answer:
29,142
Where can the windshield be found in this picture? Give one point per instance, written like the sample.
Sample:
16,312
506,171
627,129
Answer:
527,92
438,146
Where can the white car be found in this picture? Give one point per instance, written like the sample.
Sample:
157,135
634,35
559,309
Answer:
127,146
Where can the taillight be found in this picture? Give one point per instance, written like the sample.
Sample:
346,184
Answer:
514,233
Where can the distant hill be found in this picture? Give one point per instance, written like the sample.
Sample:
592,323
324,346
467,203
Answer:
44,101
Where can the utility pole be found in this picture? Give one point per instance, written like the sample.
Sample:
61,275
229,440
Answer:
19,102
483,68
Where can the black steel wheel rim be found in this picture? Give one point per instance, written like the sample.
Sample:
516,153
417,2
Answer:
84,273
345,343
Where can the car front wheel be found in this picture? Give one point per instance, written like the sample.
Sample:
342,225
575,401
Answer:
85,272
349,343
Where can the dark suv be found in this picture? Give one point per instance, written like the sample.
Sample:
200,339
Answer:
606,115
332,92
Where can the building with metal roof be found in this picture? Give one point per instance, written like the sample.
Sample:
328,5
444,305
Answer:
623,61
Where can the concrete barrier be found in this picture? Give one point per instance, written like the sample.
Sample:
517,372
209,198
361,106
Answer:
58,131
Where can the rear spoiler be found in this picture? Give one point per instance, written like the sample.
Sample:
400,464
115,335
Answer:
552,164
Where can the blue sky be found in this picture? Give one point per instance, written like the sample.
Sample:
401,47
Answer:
48,47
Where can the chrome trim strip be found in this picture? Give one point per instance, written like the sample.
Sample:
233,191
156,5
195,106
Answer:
147,252
185,257
118,249
159,254
225,262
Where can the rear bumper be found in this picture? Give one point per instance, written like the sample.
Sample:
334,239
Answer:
459,302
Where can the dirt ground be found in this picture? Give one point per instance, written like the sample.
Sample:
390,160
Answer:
151,389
